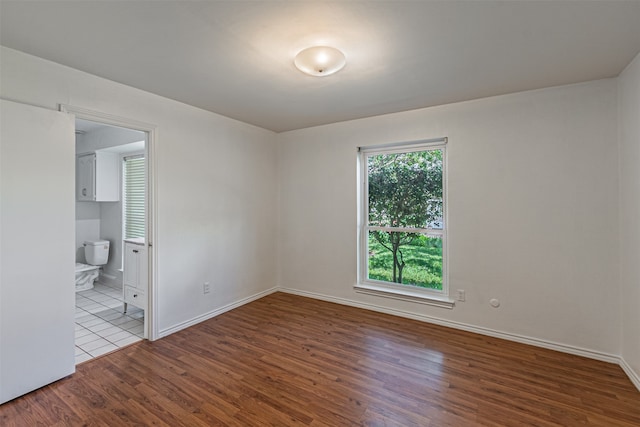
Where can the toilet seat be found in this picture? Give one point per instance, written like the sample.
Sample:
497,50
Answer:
80,267
85,276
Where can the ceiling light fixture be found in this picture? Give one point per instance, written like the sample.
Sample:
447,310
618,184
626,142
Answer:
320,60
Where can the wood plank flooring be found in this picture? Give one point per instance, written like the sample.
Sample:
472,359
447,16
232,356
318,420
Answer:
286,360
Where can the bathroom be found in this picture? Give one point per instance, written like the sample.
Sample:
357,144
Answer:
110,215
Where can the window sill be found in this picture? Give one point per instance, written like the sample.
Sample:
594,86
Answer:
405,295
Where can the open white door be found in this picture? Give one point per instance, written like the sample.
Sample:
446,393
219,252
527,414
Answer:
37,245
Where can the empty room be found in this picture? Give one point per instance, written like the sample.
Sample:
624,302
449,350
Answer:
322,213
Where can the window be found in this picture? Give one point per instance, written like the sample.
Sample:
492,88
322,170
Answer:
133,196
402,235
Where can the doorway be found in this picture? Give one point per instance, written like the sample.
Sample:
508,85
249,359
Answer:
118,309
110,213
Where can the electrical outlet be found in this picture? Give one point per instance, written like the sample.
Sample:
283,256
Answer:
206,288
461,295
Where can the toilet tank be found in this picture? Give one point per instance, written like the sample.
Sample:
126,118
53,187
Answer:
96,252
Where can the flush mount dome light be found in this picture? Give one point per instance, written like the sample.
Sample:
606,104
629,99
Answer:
320,60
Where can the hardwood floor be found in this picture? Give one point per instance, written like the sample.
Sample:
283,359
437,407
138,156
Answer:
287,360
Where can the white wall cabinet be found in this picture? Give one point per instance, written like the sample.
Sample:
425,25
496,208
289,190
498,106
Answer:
98,177
135,287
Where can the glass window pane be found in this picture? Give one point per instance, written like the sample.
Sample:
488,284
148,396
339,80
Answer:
405,189
406,258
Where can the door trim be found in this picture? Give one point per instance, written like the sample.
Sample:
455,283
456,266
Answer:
151,204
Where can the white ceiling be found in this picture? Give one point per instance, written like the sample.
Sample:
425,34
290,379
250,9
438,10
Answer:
235,58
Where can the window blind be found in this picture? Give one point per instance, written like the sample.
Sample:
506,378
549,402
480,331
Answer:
133,188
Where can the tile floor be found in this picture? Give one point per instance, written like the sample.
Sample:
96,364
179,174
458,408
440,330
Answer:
101,327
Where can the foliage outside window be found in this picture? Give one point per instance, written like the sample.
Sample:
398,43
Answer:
403,232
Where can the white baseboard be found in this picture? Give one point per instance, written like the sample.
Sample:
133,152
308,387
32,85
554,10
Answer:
633,375
591,354
463,326
214,313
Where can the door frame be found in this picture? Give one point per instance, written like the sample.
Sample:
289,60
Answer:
151,243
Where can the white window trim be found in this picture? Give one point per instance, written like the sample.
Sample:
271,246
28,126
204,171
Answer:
386,289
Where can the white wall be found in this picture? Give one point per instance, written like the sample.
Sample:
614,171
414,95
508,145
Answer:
533,216
629,140
533,204
215,179
87,226
111,230
87,216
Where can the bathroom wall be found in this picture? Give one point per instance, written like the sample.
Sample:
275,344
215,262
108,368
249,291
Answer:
87,218
103,220
87,226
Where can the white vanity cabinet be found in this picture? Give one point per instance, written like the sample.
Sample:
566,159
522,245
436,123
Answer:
134,274
98,177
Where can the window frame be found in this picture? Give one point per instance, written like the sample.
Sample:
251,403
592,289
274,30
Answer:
404,292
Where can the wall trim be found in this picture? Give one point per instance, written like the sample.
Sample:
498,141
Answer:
218,311
591,354
550,345
633,375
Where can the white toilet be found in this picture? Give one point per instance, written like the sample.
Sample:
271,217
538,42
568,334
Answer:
96,253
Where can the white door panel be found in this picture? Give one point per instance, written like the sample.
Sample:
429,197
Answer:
37,247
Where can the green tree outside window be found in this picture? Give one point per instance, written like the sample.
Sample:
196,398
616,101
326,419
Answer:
405,192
